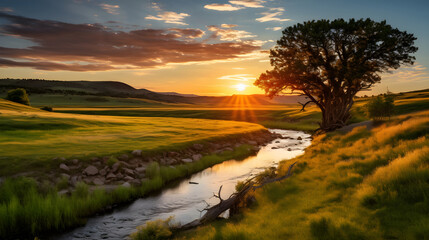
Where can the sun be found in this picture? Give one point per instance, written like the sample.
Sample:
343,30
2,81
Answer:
240,87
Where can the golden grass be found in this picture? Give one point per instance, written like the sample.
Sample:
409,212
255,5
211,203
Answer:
359,185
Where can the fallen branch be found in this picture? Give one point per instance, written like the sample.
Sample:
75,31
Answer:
232,203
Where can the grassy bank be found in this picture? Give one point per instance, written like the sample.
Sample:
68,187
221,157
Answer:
365,184
31,138
28,209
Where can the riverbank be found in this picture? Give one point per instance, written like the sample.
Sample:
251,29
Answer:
364,184
33,207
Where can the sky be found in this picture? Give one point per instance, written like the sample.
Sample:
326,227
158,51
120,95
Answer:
200,47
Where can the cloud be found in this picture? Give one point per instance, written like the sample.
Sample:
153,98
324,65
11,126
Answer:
228,34
249,3
112,9
170,17
274,28
272,16
167,16
95,47
6,9
228,25
222,7
238,77
188,32
414,73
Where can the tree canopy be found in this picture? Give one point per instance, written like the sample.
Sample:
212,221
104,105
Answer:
18,95
330,61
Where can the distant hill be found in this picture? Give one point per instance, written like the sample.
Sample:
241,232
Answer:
120,89
178,94
100,88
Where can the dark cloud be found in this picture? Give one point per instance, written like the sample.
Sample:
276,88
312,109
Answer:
94,47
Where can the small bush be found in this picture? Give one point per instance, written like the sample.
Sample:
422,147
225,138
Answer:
154,230
18,95
379,107
46,108
111,161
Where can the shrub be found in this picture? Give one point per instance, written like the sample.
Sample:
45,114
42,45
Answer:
18,95
46,108
158,229
380,107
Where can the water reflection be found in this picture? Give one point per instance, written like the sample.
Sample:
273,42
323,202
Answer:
184,199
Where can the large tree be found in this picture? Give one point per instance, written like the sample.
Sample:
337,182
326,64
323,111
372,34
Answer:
330,61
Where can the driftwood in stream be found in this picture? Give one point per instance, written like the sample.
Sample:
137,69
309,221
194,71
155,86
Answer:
213,212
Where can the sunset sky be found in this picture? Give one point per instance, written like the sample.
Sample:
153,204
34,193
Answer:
186,46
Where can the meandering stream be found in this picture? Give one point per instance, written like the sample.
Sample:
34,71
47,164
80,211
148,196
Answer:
183,199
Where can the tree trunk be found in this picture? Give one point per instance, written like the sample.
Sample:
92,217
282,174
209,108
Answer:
335,114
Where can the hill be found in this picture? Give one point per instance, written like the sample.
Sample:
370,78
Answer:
100,88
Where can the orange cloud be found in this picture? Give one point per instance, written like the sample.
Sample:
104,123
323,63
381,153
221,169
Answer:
95,47
229,34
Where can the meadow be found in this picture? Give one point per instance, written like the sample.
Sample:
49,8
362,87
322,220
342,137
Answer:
31,138
365,184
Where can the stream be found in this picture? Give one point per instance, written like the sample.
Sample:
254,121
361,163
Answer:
182,200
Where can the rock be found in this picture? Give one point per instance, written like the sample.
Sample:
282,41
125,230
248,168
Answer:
274,148
128,178
299,138
237,145
110,176
140,169
116,166
62,159
123,157
63,192
186,160
103,172
64,167
289,149
197,157
90,170
126,184
73,180
228,149
128,171
197,146
173,154
277,141
98,181
119,176
125,164
75,161
252,142
87,180
137,153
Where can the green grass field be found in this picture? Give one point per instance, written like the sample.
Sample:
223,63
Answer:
31,138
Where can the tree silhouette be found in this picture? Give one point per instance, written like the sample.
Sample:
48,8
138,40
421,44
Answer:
330,61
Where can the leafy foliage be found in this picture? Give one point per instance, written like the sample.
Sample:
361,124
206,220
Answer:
18,95
330,61
380,107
